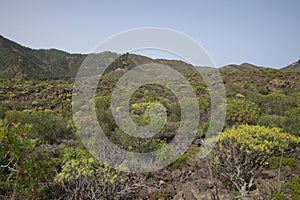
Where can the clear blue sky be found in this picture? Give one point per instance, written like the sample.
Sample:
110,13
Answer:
262,32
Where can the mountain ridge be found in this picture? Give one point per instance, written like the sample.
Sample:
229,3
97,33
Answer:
20,62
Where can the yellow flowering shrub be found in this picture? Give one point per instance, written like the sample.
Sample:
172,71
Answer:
240,152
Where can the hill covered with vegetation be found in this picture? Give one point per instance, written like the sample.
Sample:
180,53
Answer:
42,156
294,67
18,62
22,63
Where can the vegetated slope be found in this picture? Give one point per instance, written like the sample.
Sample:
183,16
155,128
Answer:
18,62
128,61
256,96
294,67
15,62
242,67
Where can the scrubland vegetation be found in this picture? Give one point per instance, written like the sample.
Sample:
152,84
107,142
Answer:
255,157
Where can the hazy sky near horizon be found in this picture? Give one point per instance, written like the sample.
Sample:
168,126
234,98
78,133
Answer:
261,32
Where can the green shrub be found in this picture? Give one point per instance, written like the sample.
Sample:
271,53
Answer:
242,151
241,111
49,126
272,121
81,174
274,162
276,103
56,101
163,152
106,120
290,122
103,102
14,116
174,111
76,162
186,158
3,109
46,125
38,172
294,188
35,103
15,151
278,195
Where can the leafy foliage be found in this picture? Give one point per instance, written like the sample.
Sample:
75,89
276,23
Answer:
76,163
46,125
241,152
290,122
3,109
79,169
294,188
240,111
276,103
24,168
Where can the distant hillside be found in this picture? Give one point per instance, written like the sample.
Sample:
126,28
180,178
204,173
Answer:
22,63
18,62
128,61
242,67
295,67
